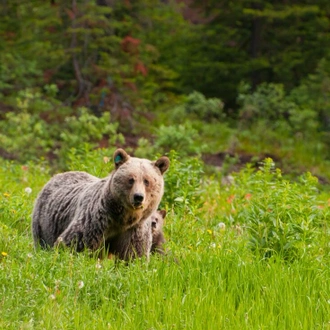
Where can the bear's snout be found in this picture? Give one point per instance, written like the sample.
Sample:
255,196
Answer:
138,199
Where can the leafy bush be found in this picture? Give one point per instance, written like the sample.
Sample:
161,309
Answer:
43,126
184,138
280,217
183,183
313,93
17,72
179,137
270,104
204,108
198,107
86,158
87,128
25,136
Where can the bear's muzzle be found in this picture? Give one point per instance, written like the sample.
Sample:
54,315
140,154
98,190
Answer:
138,200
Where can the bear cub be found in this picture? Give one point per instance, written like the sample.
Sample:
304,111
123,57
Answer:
139,240
158,239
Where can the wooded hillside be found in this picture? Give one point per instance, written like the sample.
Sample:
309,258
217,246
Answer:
74,72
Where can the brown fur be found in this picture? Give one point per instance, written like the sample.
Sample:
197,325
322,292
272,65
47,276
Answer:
158,239
76,208
139,240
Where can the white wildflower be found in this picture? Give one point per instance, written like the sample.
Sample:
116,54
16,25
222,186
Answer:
81,284
98,264
28,190
222,226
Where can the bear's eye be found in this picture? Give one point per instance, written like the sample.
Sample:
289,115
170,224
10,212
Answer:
131,181
146,182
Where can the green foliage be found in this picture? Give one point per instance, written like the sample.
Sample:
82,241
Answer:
30,43
118,57
270,105
203,108
97,53
184,138
182,188
16,72
257,42
86,127
97,162
25,136
313,93
280,217
179,137
43,126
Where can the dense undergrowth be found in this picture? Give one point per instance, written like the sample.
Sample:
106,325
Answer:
253,254
291,127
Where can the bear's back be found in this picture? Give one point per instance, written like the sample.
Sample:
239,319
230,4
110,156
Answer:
57,203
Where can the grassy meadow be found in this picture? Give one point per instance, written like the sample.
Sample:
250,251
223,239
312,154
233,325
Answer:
252,255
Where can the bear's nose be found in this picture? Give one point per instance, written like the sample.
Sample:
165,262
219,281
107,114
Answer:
138,198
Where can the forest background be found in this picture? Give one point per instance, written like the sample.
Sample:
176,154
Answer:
231,81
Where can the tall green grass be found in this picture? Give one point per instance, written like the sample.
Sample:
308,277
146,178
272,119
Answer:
211,278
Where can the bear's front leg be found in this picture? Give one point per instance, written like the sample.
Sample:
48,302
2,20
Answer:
81,235
72,239
133,243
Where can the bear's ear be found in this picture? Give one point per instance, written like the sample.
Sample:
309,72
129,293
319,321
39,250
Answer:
162,213
120,157
162,163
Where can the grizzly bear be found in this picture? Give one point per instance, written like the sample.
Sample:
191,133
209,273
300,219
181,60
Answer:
134,242
82,211
145,237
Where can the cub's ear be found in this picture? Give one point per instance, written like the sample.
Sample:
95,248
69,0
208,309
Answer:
162,213
120,157
162,163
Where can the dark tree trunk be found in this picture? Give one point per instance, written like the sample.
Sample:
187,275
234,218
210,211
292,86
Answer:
255,43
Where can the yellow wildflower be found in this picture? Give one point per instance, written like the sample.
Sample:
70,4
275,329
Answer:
4,254
6,194
209,231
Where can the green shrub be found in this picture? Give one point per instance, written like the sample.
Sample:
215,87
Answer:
179,137
280,217
86,128
203,108
313,93
25,136
42,127
270,104
183,183
86,158
197,107
183,137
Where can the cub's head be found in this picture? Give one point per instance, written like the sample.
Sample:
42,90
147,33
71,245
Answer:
157,221
138,183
